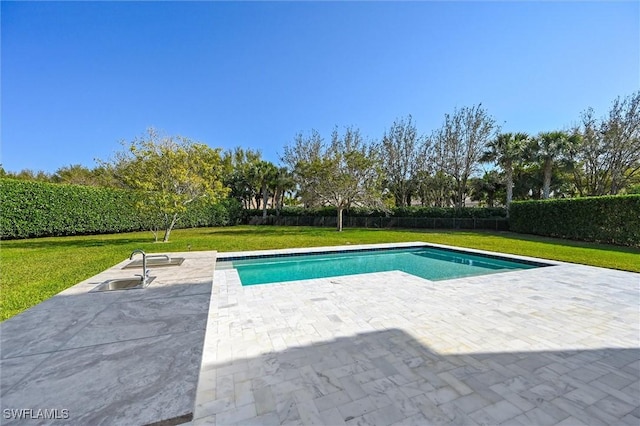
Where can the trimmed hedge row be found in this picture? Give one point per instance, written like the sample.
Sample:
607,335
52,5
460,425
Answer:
37,209
414,211
202,214
608,219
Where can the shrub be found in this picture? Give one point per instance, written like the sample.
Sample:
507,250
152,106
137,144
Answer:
609,219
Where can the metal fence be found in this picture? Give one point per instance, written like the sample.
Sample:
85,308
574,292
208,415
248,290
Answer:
384,222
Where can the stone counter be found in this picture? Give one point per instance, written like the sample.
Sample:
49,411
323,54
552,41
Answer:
120,357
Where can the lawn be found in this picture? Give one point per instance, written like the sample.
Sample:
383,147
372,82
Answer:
36,269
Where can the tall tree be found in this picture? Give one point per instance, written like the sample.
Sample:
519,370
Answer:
589,158
342,173
487,188
173,171
305,150
549,148
28,174
608,157
401,153
106,175
437,190
460,143
621,130
283,183
506,150
265,174
77,174
240,174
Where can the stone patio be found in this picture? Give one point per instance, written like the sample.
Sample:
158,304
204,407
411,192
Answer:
557,345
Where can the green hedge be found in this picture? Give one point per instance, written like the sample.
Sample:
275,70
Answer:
37,209
609,219
204,214
414,211
450,212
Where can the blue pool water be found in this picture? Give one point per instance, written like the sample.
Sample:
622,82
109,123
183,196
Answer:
430,263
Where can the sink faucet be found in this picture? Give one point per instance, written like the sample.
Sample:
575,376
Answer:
145,271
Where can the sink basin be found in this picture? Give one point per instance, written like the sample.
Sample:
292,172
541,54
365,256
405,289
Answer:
155,262
122,284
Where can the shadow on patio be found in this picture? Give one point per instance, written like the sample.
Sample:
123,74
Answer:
388,377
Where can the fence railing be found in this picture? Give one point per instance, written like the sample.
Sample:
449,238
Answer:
500,224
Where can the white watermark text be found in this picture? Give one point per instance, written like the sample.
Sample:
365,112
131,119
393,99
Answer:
35,414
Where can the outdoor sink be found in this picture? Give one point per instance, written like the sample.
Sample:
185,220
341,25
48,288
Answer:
155,261
122,284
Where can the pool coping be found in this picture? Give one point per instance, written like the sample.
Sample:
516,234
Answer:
224,261
260,254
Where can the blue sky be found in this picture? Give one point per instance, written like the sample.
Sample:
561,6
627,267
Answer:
79,77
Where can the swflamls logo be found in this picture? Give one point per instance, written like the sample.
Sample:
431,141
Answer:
31,414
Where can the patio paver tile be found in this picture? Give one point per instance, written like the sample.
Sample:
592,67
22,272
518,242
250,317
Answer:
556,345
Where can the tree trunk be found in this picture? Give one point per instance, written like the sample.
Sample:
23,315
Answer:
167,231
284,194
546,184
460,192
264,201
509,184
276,200
340,209
615,187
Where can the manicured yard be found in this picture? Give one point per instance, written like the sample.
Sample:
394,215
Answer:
36,269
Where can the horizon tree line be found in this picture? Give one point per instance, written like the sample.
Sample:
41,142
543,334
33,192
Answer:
596,156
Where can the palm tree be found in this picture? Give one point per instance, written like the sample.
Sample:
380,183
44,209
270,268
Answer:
241,177
283,182
506,150
550,147
265,174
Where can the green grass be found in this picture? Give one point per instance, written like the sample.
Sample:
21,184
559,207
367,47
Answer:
36,269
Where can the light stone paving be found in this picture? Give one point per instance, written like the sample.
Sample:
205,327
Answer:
557,345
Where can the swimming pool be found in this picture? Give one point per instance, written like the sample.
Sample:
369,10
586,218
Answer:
431,263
